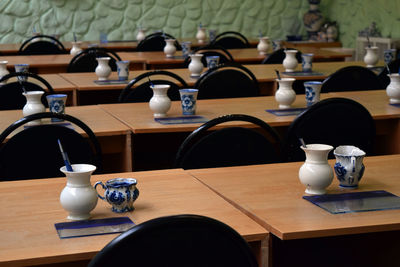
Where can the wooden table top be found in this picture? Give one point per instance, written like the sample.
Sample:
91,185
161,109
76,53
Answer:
143,122
272,195
27,227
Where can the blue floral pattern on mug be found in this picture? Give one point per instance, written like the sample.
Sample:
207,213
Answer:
57,106
188,102
310,94
340,171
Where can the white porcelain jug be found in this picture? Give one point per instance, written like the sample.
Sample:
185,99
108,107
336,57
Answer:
371,57
160,102
195,65
201,35
76,48
103,70
3,70
290,62
263,46
285,95
169,49
33,105
78,197
140,35
315,173
393,89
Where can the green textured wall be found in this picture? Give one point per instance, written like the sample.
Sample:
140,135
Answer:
120,18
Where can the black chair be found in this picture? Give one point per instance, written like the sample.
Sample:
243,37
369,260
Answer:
227,80
394,67
86,61
142,91
209,50
42,45
279,55
34,152
332,121
231,40
177,240
230,146
156,42
351,78
11,93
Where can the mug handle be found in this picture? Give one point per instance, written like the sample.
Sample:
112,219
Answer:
102,185
353,162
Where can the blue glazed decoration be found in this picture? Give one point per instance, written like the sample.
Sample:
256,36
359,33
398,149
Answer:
188,101
340,171
56,104
310,94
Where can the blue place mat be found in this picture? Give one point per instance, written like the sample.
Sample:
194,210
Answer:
108,82
303,73
62,123
286,112
93,227
395,105
356,201
181,120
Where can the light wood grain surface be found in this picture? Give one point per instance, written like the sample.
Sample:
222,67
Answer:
272,195
28,235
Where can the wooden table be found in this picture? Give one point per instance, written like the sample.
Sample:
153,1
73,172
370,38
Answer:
114,136
30,208
89,93
302,234
153,140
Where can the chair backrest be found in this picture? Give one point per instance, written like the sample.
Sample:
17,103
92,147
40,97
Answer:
351,78
42,45
11,93
394,67
34,152
177,240
156,42
141,91
332,121
86,61
231,40
209,50
254,143
279,55
227,80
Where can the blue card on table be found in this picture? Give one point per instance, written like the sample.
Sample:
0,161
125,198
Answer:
303,73
182,120
108,82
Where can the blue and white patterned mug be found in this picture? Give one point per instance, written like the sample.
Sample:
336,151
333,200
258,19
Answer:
120,193
188,100
389,55
212,61
56,104
306,62
313,89
349,167
22,68
123,70
186,48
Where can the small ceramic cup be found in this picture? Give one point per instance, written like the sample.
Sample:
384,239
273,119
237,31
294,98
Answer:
212,34
57,104
276,44
349,167
188,100
22,68
123,70
186,48
120,193
212,61
103,38
306,62
313,89
389,55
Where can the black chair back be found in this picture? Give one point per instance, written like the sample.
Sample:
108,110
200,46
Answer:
86,61
278,56
209,50
394,67
231,40
351,78
227,80
230,146
177,240
141,91
11,93
42,45
332,121
156,42
34,152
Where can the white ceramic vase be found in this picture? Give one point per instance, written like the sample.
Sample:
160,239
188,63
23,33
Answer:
103,70
371,57
76,48
160,102
33,105
315,173
78,197
3,70
201,35
140,35
393,89
195,65
285,95
169,49
263,46
290,62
